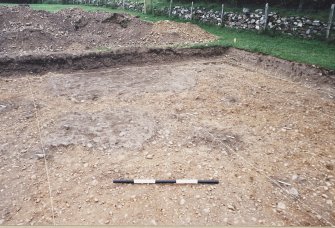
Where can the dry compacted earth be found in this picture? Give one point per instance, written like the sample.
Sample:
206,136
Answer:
268,138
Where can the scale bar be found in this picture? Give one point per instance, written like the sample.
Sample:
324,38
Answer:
152,181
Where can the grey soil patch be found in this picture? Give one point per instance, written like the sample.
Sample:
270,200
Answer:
119,83
25,107
106,130
217,139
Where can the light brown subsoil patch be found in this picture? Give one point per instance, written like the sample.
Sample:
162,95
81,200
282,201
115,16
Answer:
172,32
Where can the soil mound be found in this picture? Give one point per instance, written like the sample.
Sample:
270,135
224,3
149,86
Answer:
171,32
24,30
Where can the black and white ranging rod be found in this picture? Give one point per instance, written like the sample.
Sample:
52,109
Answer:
153,181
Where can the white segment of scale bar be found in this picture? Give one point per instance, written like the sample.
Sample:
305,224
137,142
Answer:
186,181
144,181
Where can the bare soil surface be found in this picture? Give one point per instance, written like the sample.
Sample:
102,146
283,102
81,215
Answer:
74,119
27,31
270,140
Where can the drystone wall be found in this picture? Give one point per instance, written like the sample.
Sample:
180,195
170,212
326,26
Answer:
254,20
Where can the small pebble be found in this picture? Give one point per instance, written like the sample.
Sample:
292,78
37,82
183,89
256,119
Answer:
295,177
40,156
231,207
149,156
330,166
206,210
294,192
281,206
89,145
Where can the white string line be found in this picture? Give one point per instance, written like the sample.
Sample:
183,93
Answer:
28,148
262,172
43,150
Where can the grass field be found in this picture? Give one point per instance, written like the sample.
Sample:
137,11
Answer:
315,52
